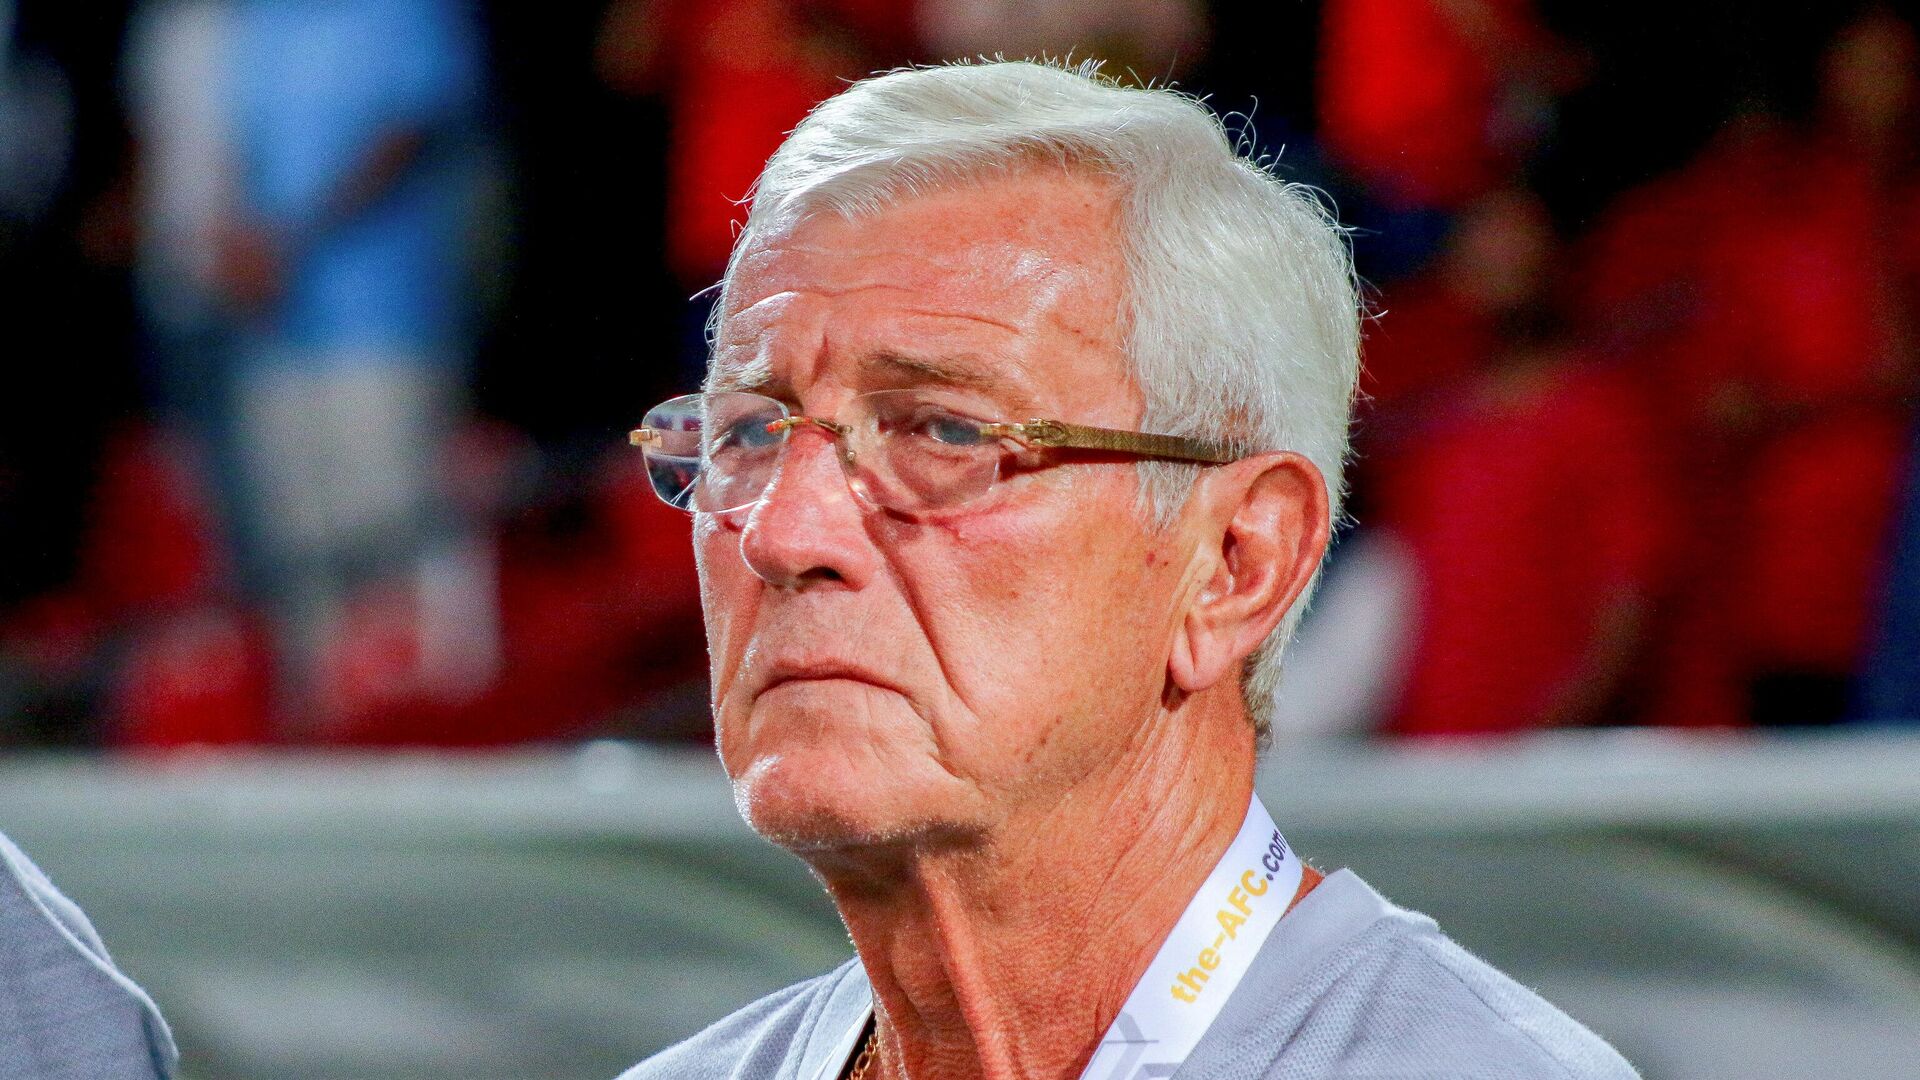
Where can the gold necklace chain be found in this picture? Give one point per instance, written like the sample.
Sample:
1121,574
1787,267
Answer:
864,1062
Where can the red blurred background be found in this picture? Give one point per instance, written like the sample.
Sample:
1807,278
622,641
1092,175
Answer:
1637,446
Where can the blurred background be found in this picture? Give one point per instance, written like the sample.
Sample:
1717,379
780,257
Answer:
352,676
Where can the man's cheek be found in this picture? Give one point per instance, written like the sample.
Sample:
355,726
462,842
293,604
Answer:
716,558
728,593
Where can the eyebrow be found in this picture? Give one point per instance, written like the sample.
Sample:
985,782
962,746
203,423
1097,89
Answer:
942,371
885,365
753,377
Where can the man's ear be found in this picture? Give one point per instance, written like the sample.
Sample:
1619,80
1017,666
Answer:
1263,523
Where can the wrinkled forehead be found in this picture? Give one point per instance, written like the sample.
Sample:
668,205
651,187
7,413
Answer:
995,274
978,274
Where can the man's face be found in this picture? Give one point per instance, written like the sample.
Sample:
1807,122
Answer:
884,678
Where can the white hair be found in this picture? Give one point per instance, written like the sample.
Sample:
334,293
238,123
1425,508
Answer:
1244,316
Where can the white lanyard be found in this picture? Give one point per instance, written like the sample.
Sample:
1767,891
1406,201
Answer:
1204,957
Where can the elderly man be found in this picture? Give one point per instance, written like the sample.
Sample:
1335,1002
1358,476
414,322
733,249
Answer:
1017,458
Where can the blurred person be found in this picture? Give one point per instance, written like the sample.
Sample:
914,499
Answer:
1639,280
1777,326
341,255
1818,295
1890,683
68,333
187,667
36,119
586,286
1387,604
66,1012
1423,106
1150,40
1436,330
1000,681
737,75
1878,60
1499,442
178,116
1434,102
36,122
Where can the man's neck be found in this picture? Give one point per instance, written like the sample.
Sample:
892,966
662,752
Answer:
1009,957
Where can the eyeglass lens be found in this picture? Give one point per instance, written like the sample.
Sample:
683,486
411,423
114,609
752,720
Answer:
903,450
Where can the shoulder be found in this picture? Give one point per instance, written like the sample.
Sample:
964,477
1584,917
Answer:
1437,999
771,1037
1400,998
1352,986
67,1011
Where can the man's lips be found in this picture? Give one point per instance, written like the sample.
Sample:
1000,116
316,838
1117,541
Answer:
782,673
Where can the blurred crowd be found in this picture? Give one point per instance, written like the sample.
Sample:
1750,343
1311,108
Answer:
325,320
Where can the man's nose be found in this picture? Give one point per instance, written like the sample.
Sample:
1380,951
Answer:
808,528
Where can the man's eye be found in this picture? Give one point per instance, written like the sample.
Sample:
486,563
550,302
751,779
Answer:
746,433
948,429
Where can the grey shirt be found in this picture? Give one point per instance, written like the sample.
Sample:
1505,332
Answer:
66,1013
1348,985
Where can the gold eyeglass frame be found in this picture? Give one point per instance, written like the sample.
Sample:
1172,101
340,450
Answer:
1037,432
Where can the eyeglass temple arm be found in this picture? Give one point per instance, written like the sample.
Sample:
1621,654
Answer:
1053,433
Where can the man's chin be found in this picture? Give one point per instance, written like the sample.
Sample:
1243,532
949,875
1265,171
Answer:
823,807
